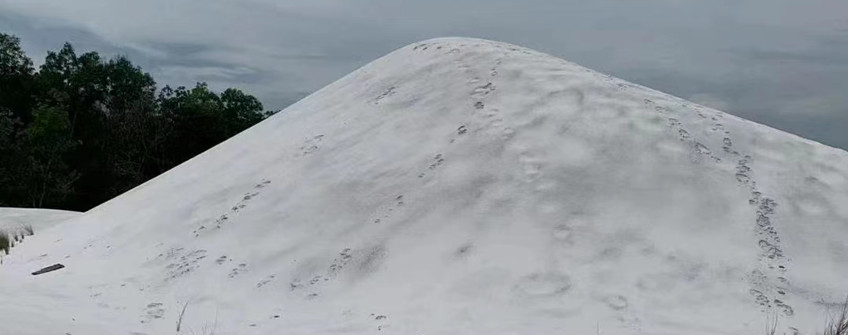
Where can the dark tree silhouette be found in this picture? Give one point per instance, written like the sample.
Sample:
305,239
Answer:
82,129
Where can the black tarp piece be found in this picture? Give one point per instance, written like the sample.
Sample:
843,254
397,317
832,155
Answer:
51,268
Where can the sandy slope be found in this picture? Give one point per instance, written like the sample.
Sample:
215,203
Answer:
15,220
460,186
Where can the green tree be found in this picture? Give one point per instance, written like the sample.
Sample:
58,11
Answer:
11,161
16,100
82,129
134,129
240,111
128,88
196,118
77,86
16,79
48,179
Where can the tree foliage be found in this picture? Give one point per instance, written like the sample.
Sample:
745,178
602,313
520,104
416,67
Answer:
82,129
16,78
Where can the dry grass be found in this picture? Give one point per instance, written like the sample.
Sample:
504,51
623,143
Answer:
838,325
5,243
771,325
835,325
182,314
8,238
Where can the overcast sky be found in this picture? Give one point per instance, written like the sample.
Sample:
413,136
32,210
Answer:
783,63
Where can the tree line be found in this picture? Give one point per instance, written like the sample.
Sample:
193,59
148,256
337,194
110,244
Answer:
81,129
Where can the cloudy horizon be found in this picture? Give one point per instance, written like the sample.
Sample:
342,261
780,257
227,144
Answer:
781,63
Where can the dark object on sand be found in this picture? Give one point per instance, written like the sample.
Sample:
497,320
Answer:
51,268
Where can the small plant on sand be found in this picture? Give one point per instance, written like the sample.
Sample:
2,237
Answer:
835,325
838,325
5,243
10,237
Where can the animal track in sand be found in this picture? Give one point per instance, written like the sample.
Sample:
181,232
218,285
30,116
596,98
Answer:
152,311
241,268
616,302
438,160
544,284
389,92
238,206
311,145
185,264
771,255
482,91
531,166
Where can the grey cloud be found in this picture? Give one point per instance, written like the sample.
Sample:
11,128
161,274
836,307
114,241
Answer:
779,62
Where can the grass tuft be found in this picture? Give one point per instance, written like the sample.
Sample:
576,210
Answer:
838,325
5,242
835,325
771,325
10,237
